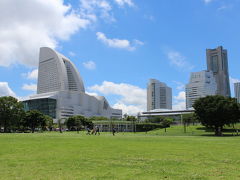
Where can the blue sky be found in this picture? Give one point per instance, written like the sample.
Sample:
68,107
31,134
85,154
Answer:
117,45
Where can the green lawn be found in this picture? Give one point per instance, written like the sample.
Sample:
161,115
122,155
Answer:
155,155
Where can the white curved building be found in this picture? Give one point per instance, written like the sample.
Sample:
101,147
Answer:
61,92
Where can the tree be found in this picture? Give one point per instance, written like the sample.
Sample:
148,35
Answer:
98,118
60,122
131,118
155,119
70,123
188,119
35,119
166,123
48,122
217,111
125,116
11,113
76,122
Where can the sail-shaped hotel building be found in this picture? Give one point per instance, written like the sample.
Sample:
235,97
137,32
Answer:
61,92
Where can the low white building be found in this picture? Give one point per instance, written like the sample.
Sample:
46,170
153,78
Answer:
201,84
61,92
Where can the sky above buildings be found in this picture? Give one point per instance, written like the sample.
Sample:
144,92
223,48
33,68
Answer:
117,45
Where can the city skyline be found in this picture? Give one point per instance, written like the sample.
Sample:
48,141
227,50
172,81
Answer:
117,46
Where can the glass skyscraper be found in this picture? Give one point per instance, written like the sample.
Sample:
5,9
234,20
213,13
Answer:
217,62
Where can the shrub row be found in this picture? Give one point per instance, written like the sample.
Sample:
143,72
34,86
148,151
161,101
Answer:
142,127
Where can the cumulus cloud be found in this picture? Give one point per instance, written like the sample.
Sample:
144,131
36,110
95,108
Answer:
132,98
91,93
179,101
34,24
94,9
180,85
89,65
128,109
178,60
5,90
31,75
124,2
119,43
181,96
30,87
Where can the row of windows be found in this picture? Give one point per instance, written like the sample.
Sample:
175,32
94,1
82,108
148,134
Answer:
46,106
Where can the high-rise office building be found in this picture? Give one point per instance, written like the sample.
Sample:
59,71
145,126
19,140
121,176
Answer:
237,91
61,92
200,85
217,62
159,95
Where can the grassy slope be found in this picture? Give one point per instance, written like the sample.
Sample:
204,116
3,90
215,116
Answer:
125,156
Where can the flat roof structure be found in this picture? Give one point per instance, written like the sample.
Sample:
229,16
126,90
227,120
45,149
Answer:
166,112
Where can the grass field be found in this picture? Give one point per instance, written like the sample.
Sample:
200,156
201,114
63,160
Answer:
155,155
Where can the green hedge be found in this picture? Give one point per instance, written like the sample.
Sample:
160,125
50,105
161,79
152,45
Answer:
142,127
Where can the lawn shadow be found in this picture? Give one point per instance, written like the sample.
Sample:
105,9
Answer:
223,135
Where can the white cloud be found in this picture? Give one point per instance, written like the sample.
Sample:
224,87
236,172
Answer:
128,109
181,105
181,96
30,87
130,96
89,65
94,9
233,80
178,60
5,90
38,23
35,23
119,43
223,7
179,101
124,2
72,53
137,42
180,85
149,17
208,1
32,74
91,93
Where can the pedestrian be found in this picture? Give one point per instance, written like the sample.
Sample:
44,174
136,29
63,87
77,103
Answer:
97,130
93,130
114,131
88,131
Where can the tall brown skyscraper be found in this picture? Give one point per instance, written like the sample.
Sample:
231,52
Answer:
217,62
